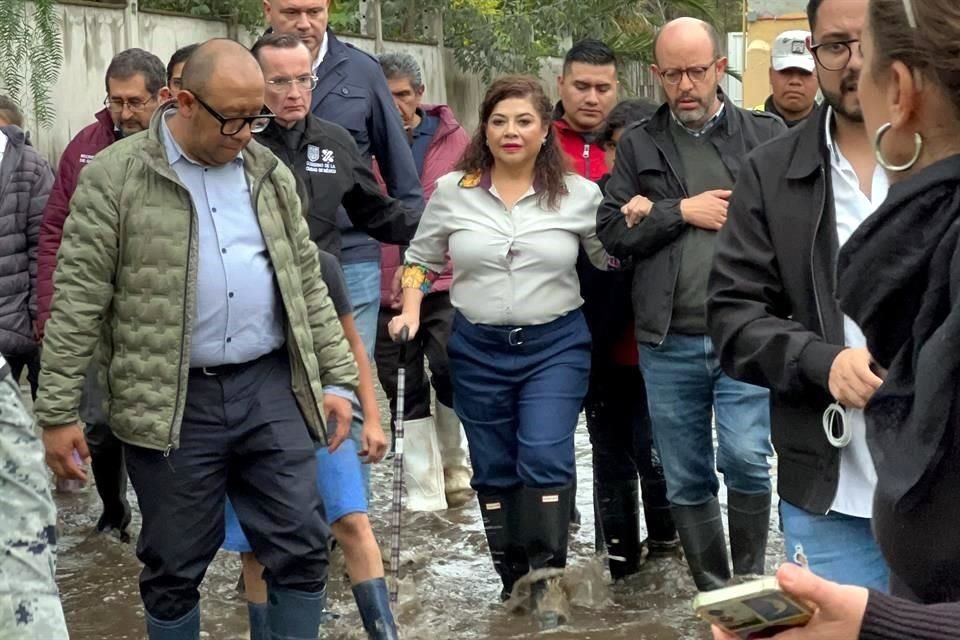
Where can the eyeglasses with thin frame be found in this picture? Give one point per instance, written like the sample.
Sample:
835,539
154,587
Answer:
232,126
283,85
834,56
696,74
135,105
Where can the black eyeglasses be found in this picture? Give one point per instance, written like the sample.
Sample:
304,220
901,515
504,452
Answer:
136,105
233,126
834,56
696,74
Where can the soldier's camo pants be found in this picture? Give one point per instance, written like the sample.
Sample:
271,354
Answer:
30,606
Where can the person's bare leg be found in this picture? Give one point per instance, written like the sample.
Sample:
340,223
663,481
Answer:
365,567
255,591
361,553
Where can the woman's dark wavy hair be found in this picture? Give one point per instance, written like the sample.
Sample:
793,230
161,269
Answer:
551,165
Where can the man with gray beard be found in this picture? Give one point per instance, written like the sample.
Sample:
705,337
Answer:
685,160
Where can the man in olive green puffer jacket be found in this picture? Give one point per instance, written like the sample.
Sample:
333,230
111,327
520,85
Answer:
221,347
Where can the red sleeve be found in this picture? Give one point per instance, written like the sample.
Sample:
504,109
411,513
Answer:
51,231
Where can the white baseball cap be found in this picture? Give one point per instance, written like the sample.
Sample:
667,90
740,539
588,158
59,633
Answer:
790,51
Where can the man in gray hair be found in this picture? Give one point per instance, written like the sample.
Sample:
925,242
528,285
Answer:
435,460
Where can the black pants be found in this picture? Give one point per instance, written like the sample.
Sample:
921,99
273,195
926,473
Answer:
619,426
32,363
109,472
436,320
242,435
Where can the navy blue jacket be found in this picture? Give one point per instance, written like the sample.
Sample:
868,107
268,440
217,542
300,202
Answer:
352,92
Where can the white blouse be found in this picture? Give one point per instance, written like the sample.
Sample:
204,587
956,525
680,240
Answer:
510,266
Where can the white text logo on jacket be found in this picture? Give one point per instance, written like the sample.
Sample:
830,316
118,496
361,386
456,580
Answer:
320,161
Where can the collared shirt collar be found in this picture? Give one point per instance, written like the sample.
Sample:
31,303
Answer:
832,145
3,143
485,181
707,127
324,48
172,147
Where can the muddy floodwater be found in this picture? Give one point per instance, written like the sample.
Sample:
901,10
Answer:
449,589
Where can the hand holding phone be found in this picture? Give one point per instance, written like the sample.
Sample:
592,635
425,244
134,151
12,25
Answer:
756,609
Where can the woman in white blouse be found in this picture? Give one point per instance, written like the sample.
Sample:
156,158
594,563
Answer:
512,219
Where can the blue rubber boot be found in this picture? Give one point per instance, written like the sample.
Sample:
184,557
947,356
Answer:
374,605
259,624
295,615
185,628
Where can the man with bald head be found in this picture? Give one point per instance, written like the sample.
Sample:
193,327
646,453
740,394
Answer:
685,161
186,256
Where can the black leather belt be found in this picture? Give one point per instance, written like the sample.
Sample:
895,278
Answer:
228,369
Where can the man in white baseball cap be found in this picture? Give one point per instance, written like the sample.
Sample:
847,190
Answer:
792,79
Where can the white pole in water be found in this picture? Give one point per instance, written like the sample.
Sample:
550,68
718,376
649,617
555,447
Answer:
398,471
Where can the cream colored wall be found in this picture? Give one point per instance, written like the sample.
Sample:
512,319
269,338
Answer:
760,35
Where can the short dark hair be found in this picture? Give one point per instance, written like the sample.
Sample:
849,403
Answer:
131,62
179,56
812,8
277,41
590,51
10,111
623,115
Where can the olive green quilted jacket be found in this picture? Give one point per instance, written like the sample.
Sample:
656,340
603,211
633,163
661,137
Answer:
126,281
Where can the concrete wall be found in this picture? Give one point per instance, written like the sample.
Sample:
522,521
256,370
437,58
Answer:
765,20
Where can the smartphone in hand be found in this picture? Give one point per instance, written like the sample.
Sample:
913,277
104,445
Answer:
756,609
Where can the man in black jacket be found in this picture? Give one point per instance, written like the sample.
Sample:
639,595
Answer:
329,168
330,171
332,177
773,310
685,160
352,92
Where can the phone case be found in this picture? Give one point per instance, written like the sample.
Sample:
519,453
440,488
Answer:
757,609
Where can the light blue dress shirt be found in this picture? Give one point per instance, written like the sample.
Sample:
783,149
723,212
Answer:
238,316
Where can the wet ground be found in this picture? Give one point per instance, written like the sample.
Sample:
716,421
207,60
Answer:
449,589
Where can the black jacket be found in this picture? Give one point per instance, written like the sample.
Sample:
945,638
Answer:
330,171
352,92
771,304
25,183
899,279
648,164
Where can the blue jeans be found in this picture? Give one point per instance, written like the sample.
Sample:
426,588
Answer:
363,285
685,390
518,393
838,547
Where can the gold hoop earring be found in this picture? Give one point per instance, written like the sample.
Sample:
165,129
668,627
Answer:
883,162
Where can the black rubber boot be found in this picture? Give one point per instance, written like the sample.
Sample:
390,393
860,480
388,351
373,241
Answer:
110,476
704,545
373,601
749,517
662,540
501,513
545,530
618,507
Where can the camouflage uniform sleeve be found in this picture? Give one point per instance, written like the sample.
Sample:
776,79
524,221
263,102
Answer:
30,606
